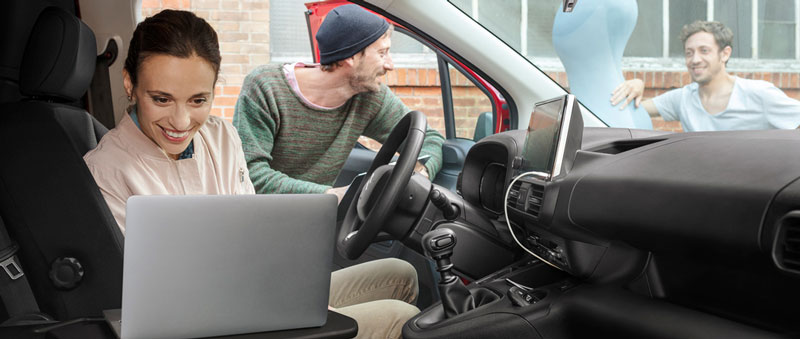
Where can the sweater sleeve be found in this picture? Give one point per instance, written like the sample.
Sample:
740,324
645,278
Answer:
392,110
257,121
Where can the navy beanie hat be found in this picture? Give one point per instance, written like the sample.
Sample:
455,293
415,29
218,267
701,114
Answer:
346,31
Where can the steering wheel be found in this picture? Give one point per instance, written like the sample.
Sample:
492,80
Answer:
379,192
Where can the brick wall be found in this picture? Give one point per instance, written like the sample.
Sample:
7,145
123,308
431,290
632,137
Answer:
243,28
657,83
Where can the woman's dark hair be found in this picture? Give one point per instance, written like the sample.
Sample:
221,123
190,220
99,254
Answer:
176,33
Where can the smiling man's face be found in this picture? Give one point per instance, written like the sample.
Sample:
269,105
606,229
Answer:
368,67
704,59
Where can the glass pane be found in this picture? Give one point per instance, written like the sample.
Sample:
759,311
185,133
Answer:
776,29
288,29
541,15
736,15
463,5
469,103
402,43
495,16
776,41
682,12
776,10
646,39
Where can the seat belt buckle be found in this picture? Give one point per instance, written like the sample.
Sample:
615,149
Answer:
12,268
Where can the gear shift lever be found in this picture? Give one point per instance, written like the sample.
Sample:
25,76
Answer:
438,245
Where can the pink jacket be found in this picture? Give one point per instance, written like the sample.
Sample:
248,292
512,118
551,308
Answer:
127,163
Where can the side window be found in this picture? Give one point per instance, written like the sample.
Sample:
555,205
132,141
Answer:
472,108
415,80
459,109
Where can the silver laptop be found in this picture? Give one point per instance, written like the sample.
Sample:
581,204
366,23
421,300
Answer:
200,266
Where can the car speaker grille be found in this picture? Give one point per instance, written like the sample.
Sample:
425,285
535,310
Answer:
535,199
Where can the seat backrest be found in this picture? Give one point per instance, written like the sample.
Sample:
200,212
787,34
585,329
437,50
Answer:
16,22
48,198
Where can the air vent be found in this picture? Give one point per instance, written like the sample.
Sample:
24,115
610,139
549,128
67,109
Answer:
513,194
786,250
535,200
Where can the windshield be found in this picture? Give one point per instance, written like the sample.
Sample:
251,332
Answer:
685,65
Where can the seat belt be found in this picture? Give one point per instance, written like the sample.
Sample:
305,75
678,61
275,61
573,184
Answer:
14,288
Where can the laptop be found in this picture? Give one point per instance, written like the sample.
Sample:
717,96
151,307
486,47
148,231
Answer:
201,266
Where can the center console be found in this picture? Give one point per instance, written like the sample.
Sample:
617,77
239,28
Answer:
505,304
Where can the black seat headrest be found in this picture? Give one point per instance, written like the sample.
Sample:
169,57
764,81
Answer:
59,58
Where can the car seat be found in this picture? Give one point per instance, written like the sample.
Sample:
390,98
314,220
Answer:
70,247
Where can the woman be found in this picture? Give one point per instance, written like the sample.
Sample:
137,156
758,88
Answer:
169,144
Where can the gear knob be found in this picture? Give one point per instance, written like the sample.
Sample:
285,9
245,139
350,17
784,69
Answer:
456,298
439,243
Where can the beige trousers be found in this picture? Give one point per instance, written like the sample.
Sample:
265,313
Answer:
377,294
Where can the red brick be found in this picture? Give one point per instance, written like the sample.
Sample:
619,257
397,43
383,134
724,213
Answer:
685,79
231,90
794,82
412,102
217,111
151,4
563,80
401,77
432,102
235,59
432,76
411,77
231,36
403,91
658,79
464,102
225,101
206,4
172,4
231,15
428,91
422,76
391,78
667,80
255,4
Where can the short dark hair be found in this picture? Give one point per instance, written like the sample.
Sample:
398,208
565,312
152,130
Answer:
176,33
722,35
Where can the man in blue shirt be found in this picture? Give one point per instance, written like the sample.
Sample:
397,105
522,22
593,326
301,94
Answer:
715,100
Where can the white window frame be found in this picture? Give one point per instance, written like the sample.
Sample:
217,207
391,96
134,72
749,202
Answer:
667,63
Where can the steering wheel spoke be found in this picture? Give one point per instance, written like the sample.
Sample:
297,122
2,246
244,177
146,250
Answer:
380,193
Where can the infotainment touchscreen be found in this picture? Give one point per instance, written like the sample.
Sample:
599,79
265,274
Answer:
548,132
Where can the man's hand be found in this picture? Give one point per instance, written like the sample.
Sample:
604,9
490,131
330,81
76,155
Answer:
338,191
631,90
420,168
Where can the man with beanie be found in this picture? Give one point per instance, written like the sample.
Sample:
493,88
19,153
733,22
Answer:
298,124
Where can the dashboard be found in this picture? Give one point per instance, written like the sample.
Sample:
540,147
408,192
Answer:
675,216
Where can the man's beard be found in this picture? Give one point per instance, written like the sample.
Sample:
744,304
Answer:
364,82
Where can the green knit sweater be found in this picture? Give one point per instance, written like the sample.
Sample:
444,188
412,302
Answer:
293,148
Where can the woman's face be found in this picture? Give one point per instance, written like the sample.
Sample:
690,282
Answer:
173,98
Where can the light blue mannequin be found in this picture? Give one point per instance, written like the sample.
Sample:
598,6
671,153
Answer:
590,41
